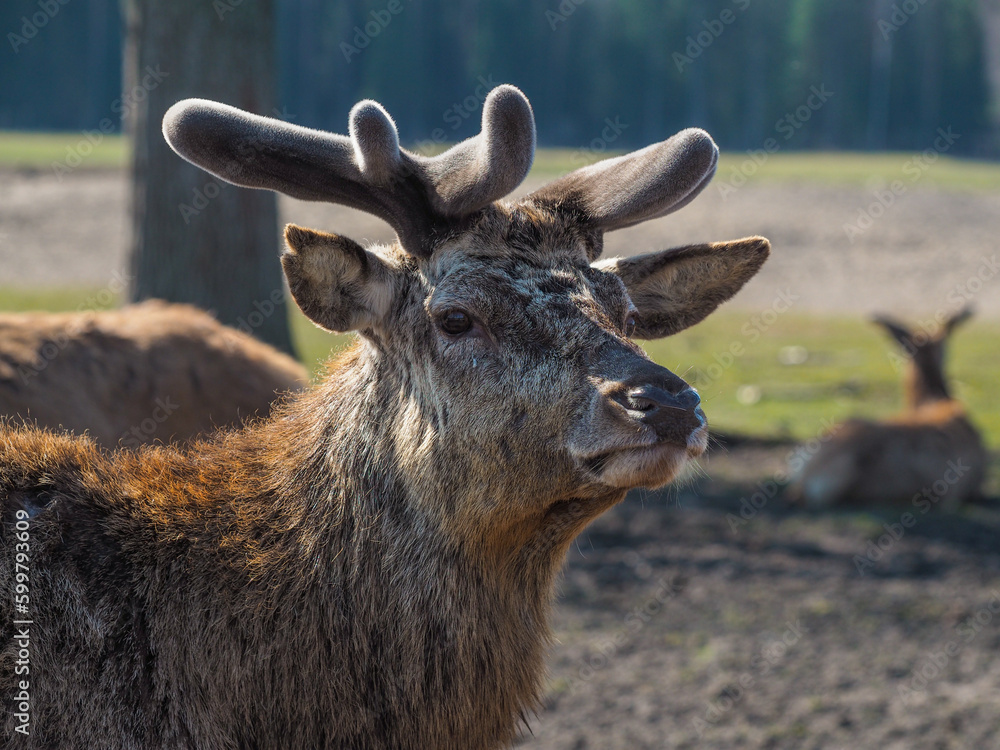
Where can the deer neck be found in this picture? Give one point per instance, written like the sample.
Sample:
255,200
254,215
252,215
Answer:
925,385
485,591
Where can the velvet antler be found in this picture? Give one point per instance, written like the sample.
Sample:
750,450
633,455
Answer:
420,196
416,195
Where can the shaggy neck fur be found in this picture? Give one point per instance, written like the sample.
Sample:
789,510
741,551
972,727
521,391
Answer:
311,492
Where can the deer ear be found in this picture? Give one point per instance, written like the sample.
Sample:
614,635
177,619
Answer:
957,319
674,289
899,332
338,284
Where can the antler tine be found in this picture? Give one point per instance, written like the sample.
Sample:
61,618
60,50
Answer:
646,184
260,152
376,142
488,166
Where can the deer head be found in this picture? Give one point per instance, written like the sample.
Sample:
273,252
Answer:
501,348
926,382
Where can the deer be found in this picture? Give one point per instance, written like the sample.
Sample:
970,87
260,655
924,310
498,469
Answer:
928,456
374,565
151,371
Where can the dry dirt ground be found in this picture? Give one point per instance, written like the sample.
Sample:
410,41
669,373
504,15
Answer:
680,622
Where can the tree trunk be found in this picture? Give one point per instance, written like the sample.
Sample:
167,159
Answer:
990,22
197,239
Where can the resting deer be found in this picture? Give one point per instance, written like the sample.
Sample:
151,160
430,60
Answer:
148,372
930,455
373,566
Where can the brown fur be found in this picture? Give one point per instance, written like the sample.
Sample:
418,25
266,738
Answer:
146,373
372,567
928,456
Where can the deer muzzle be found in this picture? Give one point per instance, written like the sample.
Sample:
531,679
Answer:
656,399
643,423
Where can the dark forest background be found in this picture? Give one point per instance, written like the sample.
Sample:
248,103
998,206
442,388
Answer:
897,70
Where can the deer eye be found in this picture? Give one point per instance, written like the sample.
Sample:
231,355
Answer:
630,324
455,322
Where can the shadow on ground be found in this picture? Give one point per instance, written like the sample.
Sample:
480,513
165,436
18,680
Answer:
683,623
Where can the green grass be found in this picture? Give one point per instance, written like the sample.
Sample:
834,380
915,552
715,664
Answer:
313,344
40,150
867,170
847,370
54,299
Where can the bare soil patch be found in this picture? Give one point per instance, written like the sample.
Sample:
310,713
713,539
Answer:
924,247
682,625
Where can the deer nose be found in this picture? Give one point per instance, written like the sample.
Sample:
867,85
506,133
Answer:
668,405
649,399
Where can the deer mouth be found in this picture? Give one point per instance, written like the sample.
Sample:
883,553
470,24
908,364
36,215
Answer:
649,465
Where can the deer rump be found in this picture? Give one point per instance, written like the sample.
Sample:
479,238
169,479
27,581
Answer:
150,372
